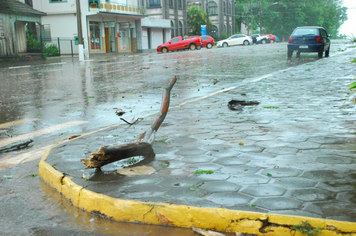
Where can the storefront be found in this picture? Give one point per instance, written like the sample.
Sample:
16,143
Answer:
106,37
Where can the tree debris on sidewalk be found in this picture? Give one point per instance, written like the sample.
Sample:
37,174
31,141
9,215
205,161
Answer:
119,112
236,105
140,147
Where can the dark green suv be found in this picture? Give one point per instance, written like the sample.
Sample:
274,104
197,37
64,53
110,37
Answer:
309,39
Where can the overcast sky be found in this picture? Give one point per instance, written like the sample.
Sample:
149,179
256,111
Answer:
349,27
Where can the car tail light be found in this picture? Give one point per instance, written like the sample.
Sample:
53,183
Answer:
290,39
318,39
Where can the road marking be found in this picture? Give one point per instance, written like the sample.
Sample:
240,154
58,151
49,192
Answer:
209,95
18,67
40,132
11,161
16,122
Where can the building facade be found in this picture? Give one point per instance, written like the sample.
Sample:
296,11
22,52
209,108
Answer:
166,18
107,25
14,16
221,13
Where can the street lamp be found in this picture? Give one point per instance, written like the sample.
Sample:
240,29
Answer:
275,3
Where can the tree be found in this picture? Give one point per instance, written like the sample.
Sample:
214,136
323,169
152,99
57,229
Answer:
196,18
282,18
248,12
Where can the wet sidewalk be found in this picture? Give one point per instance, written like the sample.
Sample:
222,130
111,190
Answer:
293,153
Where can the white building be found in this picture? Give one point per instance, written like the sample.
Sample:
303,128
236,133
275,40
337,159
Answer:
107,25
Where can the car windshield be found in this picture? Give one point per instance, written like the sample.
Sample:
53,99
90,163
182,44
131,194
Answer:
306,32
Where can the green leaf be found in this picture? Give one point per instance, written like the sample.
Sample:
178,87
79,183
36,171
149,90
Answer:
199,172
352,85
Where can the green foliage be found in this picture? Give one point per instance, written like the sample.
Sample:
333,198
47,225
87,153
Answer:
223,36
247,13
33,45
353,39
307,229
282,18
352,87
51,50
196,17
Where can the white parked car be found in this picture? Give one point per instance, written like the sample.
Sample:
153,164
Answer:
236,39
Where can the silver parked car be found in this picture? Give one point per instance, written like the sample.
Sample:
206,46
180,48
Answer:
236,39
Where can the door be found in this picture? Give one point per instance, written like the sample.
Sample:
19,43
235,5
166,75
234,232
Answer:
107,40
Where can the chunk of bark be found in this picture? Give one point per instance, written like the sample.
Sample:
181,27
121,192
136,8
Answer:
109,154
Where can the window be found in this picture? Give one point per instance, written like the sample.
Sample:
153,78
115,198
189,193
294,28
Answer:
154,3
57,1
172,29
180,29
170,3
95,37
212,8
224,10
94,3
1,27
175,40
180,6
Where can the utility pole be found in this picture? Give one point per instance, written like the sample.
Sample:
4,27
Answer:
80,33
207,18
260,16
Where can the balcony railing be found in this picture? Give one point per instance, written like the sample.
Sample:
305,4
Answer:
116,7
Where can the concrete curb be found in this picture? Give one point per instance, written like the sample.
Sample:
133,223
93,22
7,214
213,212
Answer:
183,215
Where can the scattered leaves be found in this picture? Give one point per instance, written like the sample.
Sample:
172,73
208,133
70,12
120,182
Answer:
269,174
199,172
161,140
271,107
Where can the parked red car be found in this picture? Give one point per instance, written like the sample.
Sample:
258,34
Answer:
179,43
271,38
207,40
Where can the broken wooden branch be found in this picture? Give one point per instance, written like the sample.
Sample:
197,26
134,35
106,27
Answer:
17,146
141,147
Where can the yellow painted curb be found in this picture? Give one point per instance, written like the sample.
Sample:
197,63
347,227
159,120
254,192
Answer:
219,219
184,216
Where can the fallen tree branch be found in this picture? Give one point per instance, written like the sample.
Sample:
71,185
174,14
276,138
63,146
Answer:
141,147
17,146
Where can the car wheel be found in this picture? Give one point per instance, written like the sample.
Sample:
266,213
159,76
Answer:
192,46
298,54
164,50
271,41
289,54
263,41
246,43
209,46
327,52
320,54
225,45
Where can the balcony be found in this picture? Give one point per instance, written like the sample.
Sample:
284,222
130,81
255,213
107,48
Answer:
116,7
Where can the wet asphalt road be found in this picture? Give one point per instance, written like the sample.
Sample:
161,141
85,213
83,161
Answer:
48,96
